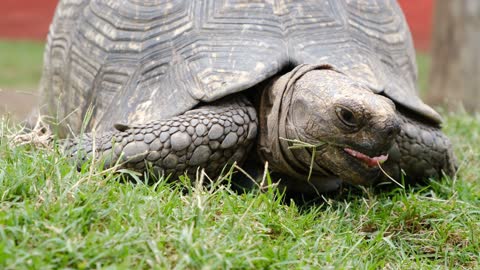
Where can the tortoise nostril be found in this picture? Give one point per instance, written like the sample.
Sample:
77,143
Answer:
387,129
390,132
392,129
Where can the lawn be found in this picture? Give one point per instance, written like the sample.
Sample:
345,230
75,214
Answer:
52,216
20,64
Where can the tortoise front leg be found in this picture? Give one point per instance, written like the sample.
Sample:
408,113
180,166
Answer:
421,151
208,137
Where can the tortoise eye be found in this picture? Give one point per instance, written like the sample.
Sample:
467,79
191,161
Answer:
347,117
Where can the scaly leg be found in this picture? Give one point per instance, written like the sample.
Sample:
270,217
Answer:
209,137
421,150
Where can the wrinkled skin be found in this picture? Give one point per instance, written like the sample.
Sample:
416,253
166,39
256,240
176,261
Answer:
336,114
352,128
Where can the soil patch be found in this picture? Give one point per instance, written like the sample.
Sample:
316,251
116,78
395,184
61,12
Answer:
17,104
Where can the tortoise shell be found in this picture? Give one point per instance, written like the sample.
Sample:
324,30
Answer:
136,61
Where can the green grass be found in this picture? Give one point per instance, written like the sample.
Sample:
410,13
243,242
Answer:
20,64
52,216
423,62
55,217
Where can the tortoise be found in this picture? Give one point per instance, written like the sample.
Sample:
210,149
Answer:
322,90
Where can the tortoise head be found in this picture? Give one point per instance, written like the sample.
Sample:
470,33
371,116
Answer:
334,126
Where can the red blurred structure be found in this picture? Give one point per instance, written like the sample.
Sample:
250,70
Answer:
26,19
419,15
29,19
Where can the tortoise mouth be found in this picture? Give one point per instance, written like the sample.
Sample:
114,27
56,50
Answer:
371,162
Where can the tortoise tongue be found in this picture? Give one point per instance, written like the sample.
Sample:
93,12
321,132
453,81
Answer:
370,161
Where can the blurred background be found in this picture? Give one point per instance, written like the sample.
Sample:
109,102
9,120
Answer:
24,27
